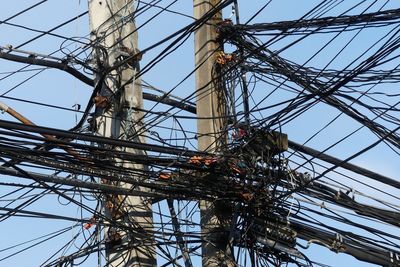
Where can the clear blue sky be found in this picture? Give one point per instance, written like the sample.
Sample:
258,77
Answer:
57,88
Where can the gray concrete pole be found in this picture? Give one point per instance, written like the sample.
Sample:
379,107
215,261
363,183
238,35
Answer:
113,36
215,216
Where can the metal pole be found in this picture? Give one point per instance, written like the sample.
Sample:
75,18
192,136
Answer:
114,38
215,216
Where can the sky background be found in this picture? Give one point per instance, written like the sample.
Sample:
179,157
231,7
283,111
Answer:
56,88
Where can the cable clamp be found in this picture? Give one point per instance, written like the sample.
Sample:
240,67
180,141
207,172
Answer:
394,259
164,176
246,196
132,55
225,22
101,101
337,244
221,58
89,224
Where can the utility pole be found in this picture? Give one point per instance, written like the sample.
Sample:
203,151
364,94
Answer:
114,38
215,216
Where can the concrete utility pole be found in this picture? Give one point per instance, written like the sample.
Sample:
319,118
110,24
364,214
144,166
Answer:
114,37
215,216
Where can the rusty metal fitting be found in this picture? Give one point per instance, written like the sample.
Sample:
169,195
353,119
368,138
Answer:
100,101
221,58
